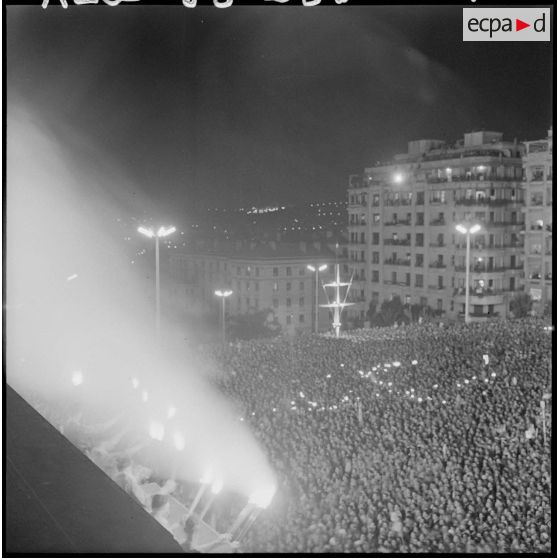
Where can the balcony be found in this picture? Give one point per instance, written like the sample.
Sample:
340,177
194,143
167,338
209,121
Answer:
436,287
405,222
397,262
437,245
537,277
488,268
438,265
487,201
498,224
394,203
397,242
489,247
438,222
481,296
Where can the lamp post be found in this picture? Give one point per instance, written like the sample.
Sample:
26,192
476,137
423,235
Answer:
316,270
161,233
468,232
223,296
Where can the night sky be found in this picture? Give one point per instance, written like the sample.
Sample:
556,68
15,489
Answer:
270,104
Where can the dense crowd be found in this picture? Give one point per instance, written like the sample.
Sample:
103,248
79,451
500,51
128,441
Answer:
418,438
421,438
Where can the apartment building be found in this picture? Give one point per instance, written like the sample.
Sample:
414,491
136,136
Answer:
402,219
262,275
537,162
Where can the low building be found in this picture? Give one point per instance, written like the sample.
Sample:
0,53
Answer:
262,275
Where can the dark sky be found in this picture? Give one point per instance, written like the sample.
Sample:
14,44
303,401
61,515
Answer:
255,105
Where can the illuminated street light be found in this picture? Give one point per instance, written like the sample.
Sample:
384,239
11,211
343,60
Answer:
223,295
161,233
316,270
468,232
398,178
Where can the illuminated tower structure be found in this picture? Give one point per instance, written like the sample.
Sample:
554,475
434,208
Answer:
338,305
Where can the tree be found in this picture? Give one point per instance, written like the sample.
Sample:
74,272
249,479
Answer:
254,325
391,311
521,305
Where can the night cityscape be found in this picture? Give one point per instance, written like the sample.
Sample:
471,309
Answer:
277,281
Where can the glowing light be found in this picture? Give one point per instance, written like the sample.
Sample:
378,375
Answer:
301,395
274,409
156,430
147,232
144,396
458,384
396,363
474,378
419,399
387,365
224,293
389,384
72,277
412,395
342,365
444,401
77,378
414,362
328,376
178,440
262,498
398,178
435,386
217,486
493,374
381,383
171,412
486,380
466,381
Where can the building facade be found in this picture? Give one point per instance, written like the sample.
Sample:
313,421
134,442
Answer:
270,275
402,219
538,194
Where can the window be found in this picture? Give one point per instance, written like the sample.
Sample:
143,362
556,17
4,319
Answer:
375,276
275,303
301,271
301,319
394,277
275,272
238,270
440,304
375,257
288,286
375,297
440,281
376,200
301,301
408,279
301,285
418,281
376,218
289,271
420,198
419,260
288,302
257,286
419,239
289,319
257,271
375,238
420,219
275,286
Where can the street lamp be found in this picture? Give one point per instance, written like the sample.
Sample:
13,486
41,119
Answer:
161,233
223,296
316,270
467,231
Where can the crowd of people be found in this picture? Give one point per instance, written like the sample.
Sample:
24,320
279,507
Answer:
421,438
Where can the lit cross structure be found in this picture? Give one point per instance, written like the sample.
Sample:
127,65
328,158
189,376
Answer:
467,231
223,295
338,305
161,233
316,270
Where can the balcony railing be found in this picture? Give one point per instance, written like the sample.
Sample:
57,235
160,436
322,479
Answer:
436,287
437,245
483,247
486,201
494,224
392,203
537,276
397,242
438,222
488,269
438,265
397,262
394,223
